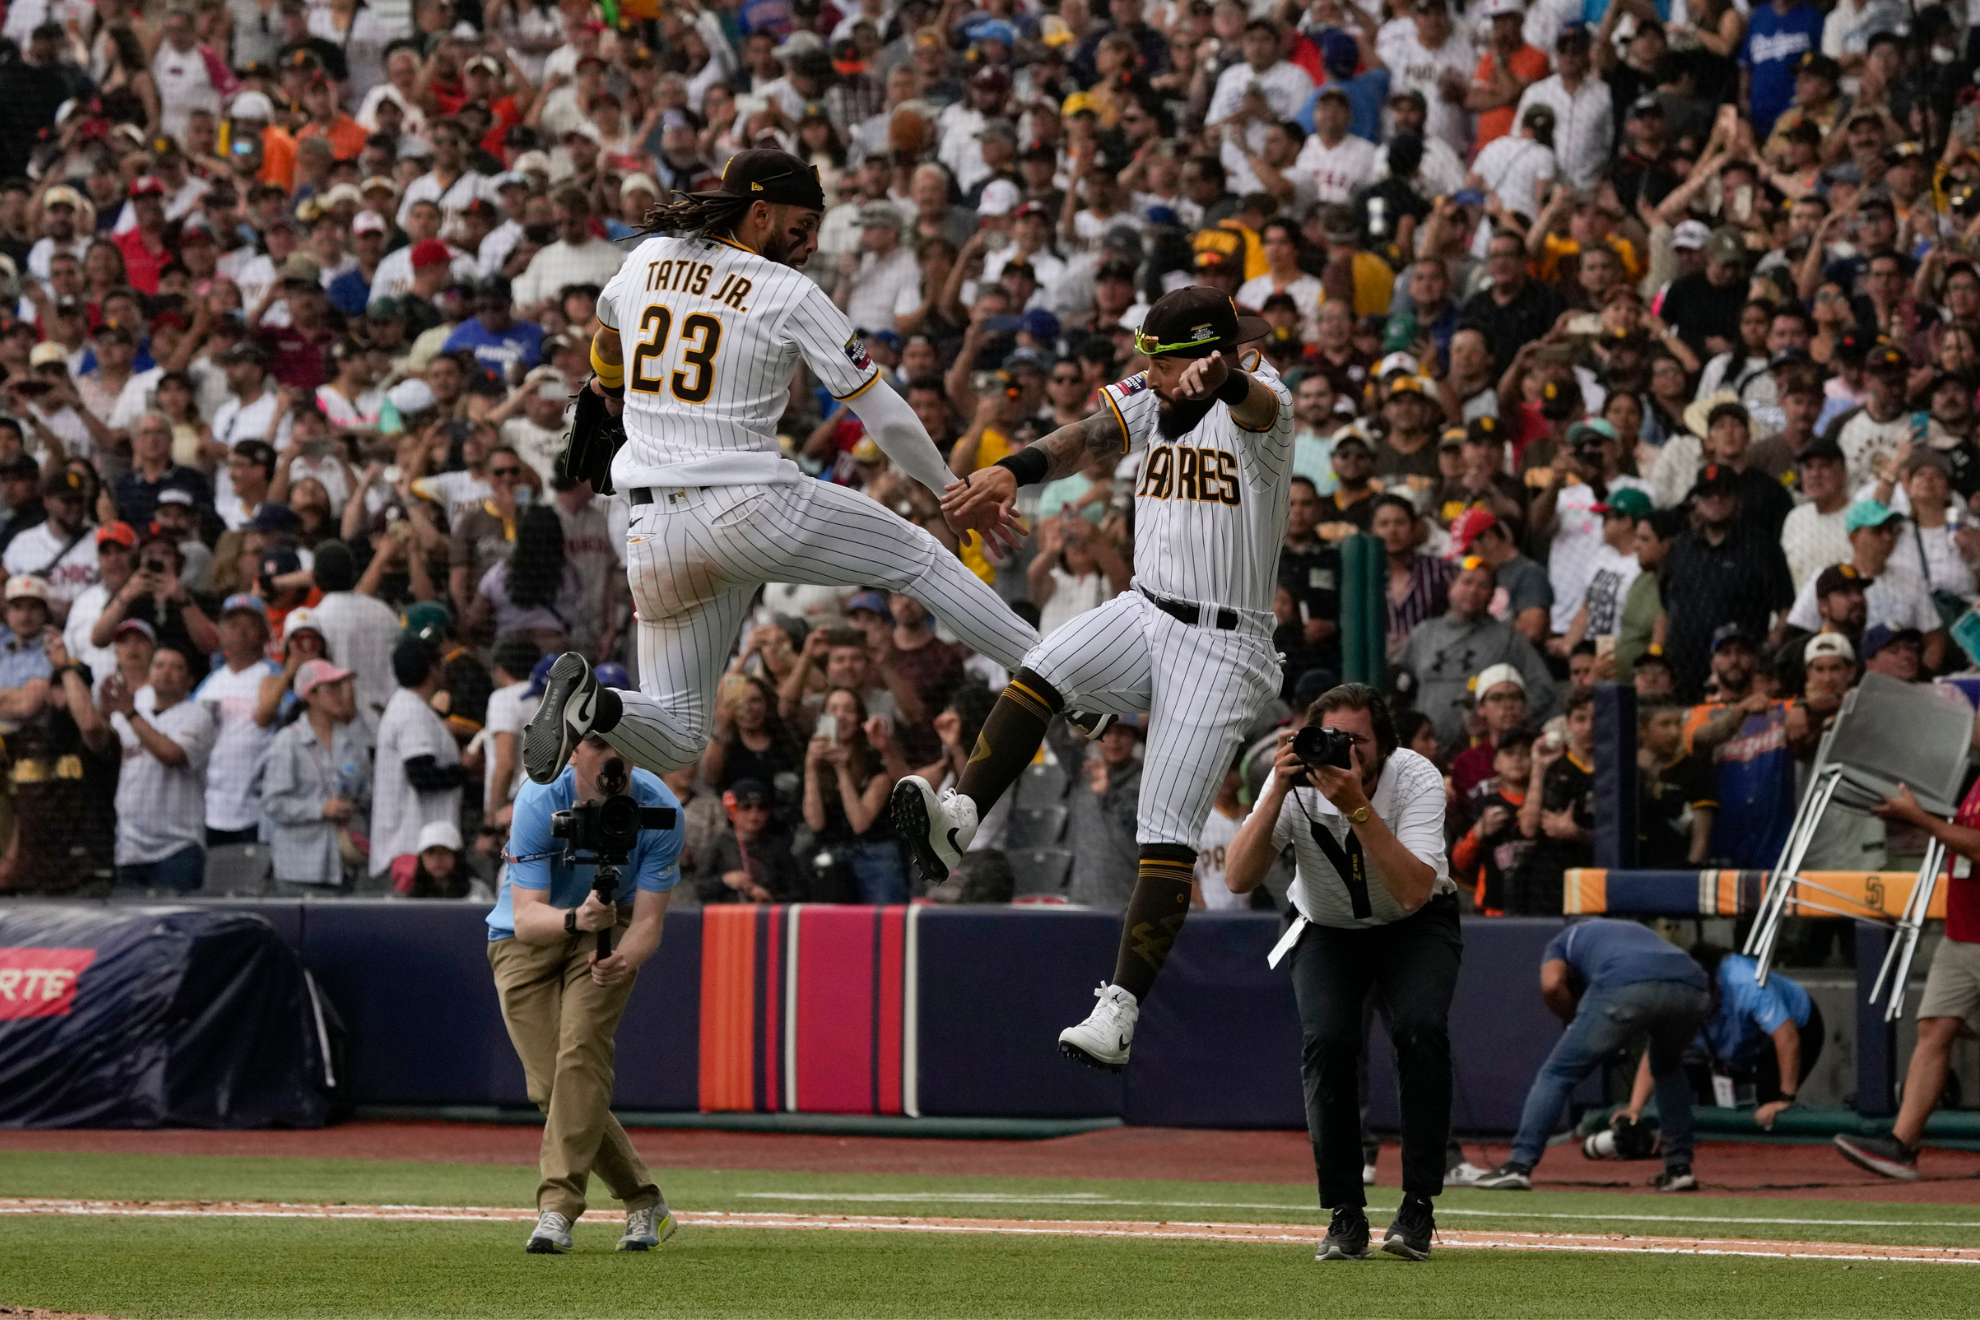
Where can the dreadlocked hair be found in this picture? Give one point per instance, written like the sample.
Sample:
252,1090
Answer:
698,214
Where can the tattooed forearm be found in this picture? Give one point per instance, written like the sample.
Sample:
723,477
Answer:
1071,448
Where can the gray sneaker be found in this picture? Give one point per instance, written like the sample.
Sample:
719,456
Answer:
551,1236
648,1228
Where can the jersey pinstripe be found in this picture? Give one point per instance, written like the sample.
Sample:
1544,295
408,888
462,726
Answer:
711,333
1210,508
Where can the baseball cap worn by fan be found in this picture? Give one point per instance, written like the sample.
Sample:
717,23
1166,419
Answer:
1628,501
1875,638
1867,513
1195,322
26,586
1492,676
1467,526
315,674
1716,479
1833,645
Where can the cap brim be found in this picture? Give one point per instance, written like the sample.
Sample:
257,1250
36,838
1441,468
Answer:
1250,328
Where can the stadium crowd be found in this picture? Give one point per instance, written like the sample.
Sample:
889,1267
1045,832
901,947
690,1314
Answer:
1642,336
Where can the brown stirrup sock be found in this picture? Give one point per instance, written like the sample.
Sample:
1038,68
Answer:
1154,915
1009,739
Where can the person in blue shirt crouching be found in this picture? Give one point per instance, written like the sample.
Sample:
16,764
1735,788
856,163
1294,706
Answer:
562,1002
1614,983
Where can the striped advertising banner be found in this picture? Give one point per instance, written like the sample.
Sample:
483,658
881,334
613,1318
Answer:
808,1008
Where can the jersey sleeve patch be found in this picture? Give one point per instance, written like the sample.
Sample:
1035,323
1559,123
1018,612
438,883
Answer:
856,354
1133,385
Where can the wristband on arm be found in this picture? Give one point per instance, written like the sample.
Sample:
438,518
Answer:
611,375
1235,389
1029,465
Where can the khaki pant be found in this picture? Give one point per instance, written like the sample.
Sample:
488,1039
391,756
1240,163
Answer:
562,1024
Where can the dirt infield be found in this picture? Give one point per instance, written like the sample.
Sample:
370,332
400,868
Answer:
1179,1154
1194,1231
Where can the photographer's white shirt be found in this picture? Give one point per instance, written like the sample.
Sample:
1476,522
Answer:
1409,798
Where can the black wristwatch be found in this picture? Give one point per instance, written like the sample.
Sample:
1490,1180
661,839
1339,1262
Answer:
570,921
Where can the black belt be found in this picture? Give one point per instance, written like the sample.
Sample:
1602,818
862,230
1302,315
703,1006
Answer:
1188,611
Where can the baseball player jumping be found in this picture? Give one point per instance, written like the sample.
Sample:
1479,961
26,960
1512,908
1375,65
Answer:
1191,644
701,334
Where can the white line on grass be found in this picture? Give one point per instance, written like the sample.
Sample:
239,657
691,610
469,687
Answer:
1216,1232
1095,1198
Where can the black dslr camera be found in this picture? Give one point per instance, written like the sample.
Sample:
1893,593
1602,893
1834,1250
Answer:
609,831
1317,747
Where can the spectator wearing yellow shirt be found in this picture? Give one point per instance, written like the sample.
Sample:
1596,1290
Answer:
1352,275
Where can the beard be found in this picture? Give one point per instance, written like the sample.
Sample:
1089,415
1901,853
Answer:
1176,418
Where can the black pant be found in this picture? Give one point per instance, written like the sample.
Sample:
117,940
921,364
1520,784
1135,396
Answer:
1413,965
221,838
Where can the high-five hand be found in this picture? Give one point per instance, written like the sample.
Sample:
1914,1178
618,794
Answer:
984,504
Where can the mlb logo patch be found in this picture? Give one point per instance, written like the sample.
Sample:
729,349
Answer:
856,354
1133,385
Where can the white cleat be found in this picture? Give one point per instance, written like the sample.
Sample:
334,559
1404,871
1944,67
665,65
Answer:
551,1236
937,827
1103,1040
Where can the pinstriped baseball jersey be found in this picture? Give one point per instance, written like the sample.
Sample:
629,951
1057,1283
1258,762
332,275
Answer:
711,333
1210,508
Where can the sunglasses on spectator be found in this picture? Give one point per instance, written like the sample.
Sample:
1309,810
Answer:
505,472
1064,380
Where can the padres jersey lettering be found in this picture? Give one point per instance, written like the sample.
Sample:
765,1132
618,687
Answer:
1210,508
711,333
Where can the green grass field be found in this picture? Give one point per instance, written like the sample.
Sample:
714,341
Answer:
144,1267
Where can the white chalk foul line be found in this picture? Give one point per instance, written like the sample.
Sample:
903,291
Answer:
1175,1230
1443,1211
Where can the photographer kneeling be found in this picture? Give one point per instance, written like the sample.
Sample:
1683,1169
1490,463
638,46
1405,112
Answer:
562,1001
1377,909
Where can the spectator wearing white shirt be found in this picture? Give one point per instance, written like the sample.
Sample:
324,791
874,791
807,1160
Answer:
872,281
358,630
1518,167
1264,90
418,773
960,125
231,694
1280,239
1335,161
1213,846
449,184
316,781
1814,535
161,790
60,207
1584,113
116,557
510,707
1425,55
1893,599
575,258
60,550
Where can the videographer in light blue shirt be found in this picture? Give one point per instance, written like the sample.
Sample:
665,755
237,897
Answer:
562,1002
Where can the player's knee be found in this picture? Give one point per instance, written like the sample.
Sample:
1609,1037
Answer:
1180,853
1033,684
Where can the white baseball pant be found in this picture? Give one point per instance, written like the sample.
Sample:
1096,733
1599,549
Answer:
696,556
1200,687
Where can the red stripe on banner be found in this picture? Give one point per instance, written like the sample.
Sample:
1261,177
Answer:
834,1018
728,956
892,982
773,1010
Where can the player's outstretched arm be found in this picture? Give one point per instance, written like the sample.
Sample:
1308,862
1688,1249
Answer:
1063,452
901,436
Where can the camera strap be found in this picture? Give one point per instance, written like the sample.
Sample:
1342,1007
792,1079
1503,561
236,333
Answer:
1348,862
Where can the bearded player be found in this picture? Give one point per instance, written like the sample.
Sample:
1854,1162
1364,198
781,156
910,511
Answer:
1190,644
701,332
